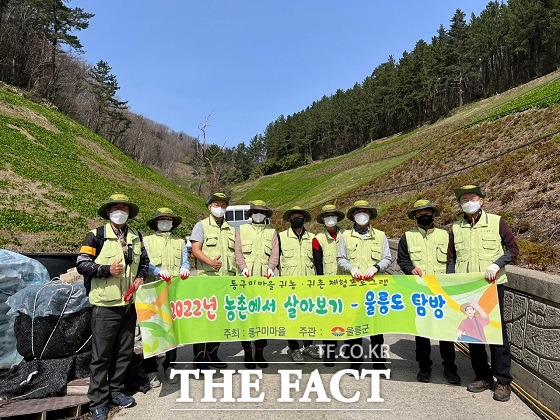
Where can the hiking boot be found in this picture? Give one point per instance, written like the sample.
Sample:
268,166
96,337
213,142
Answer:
248,359
121,400
297,357
479,385
502,392
378,365
424,375
452,377
176,379
100,413
312,351
153,380
259,358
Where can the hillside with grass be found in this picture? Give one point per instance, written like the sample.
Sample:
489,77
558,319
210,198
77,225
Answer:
508,143
55,173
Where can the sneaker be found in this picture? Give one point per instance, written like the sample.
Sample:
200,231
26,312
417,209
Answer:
312,351
153,379
378,365
502,392
259,358
424,375
297,357
452,377
176,379
100,413
214,360
328,360
248,359
479,385
121,400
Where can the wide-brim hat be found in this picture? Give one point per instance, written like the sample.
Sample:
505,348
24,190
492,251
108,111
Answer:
423,204
464,307
218,196
329,208
296,209
361,204
459,192
258,205
118,199
164,211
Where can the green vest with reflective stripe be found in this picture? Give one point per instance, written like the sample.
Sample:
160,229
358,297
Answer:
165,251
256,244
296,258
110,291
428,249
478,246
330,251
364,252
218,241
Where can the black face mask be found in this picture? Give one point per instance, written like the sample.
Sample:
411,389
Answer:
297,222
425,220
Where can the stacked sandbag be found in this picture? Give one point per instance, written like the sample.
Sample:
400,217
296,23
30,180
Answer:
16,272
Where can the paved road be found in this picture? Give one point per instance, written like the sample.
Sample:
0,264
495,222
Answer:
403,396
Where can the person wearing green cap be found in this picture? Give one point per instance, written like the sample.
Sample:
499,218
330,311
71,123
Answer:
325,249
169,257
213,246
482,242
423,250
256,254
113,261
296,259
364,251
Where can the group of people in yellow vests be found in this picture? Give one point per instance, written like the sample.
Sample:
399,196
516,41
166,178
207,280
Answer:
115,258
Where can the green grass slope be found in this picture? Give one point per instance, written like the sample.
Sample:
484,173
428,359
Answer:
54,174
481,143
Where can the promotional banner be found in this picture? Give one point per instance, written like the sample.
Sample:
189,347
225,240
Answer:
451,307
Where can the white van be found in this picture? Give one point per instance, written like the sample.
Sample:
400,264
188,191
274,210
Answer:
235,215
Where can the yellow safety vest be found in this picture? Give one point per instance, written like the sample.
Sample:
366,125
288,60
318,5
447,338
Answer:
364,252
330,251
256,244
110,291
297,256
218,241
478,246
428,249
165,251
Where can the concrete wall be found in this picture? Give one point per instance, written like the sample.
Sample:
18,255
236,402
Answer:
532,316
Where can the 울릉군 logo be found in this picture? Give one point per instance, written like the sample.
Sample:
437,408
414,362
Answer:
338,331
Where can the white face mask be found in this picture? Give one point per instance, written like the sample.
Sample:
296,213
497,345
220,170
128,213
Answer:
164,225
361,219
218,211
258,217
330,221
118,217
471,207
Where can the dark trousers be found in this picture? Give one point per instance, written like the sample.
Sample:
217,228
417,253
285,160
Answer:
150,364
294,344
500,357
329,348
259,344
202,350
112,331
355,354
424,350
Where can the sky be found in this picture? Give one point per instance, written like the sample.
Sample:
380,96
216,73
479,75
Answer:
246,62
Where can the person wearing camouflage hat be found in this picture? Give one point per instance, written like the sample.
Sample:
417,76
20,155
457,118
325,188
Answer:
423,250
325,248
213,246
113,261
169,257
256,254
483,242
363,251
296,259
